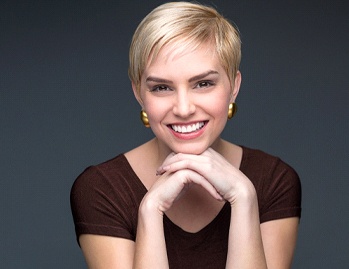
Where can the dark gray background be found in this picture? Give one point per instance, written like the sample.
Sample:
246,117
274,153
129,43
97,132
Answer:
66,103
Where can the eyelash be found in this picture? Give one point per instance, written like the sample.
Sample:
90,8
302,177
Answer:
208,83
159,88
163,88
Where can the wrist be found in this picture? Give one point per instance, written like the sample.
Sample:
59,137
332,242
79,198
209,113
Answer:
149,208
245,196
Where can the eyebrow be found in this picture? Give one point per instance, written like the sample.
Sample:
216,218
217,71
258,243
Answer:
203,75
197,77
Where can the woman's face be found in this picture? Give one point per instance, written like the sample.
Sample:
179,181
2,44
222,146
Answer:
186,96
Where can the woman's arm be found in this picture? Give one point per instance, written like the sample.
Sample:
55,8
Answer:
278,236
150,251
245,247
115,253
211,171
279,241
251,245
106,252
150,243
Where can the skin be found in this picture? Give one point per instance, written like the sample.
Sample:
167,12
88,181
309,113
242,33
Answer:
196,172
166,98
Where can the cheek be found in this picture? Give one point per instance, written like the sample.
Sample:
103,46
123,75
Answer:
156,111
218,106
222,111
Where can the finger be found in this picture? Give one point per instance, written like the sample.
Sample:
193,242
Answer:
190,176
200,164
159,170
173,158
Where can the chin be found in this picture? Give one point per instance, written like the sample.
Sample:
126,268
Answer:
190,149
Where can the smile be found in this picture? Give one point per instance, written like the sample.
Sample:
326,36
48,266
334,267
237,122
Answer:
184,129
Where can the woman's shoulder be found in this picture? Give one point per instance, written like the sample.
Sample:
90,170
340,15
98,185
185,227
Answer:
113,174
104,199
258,157
250,152
277,184
260,166
115,165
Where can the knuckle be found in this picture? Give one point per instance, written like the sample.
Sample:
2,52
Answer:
209,163
187,163
181,173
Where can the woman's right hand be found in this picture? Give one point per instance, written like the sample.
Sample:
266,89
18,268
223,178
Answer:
170,186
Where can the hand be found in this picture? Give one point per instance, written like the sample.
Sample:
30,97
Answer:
172,184
227,180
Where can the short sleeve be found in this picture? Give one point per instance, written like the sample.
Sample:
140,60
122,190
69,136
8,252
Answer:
99,207
281,193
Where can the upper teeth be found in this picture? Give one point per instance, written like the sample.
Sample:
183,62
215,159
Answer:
187,128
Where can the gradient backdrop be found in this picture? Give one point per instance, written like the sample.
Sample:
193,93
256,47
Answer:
66,103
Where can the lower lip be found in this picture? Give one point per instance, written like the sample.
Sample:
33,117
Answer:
189,136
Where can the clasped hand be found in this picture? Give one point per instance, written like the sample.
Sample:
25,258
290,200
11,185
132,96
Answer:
210,170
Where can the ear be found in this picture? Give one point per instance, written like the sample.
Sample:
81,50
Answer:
236,86
137,94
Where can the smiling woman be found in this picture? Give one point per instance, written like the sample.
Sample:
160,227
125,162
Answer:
199,93
187,198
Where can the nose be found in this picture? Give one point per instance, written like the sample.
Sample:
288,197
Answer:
184,106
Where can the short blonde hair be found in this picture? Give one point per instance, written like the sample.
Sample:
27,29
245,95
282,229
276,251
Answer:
190,25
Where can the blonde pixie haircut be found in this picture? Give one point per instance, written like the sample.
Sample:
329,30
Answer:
187,25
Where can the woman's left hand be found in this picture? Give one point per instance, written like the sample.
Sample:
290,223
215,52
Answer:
228,180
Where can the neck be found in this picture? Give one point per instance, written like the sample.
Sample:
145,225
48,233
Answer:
220,146
162,151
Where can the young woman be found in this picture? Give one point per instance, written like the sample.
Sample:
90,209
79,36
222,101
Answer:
187,198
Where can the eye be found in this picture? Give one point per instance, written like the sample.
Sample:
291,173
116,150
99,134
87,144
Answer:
204,84
160,88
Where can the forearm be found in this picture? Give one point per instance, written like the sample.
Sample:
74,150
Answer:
150,249
245,249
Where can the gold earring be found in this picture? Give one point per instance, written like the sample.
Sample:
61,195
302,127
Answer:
144,119
232,110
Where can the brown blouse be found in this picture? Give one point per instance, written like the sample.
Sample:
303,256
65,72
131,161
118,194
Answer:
105,200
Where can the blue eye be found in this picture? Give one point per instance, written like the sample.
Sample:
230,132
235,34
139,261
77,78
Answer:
160,88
